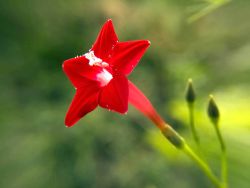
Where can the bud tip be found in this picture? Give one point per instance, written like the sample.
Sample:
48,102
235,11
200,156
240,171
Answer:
190,94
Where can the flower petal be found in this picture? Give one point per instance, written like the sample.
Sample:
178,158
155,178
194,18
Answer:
141,102
84,101
114,96
126,55
105,41
78,70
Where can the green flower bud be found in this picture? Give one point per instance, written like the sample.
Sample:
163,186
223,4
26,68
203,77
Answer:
213,110
190,94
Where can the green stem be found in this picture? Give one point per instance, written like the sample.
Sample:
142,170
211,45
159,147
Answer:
224,169
180,144
203,166
208,9
223,155
191,121
222,144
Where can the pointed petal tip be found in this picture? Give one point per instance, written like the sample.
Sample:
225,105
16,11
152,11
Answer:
70,120
68,123
66,63
124,112
146,42
109,20
109,23
63,64
120,111
68,126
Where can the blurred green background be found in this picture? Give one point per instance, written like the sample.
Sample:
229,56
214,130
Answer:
205,40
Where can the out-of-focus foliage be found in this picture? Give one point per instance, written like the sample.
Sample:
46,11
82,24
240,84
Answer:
106,149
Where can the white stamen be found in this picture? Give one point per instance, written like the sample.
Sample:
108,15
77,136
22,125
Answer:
104,76
93,60
104,64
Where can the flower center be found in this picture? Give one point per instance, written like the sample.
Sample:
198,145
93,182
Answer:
104,76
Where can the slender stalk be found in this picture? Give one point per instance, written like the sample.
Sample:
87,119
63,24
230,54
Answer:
192,125
223,155
203,165
222,144
211,7
180,144
224,169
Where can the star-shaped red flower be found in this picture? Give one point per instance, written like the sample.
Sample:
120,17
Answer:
100,75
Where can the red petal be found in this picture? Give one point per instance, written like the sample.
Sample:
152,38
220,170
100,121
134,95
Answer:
140,101
126,55
84,101
78,70
114,96
105,41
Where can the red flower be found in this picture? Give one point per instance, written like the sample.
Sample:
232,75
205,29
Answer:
99,76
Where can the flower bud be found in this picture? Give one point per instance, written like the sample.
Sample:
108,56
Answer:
190,94
213,111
